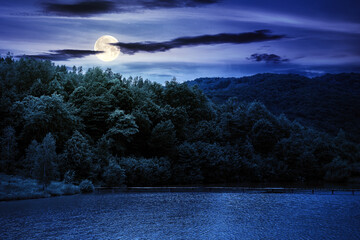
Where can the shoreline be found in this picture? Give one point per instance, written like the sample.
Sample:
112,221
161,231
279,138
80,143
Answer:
353,191
14,188
245,190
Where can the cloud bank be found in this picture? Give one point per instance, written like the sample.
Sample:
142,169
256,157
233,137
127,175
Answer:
63,55
240,38
91,7
268,58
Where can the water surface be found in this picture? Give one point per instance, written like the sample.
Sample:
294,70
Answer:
183,216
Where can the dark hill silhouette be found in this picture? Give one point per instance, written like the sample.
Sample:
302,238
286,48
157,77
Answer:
330,102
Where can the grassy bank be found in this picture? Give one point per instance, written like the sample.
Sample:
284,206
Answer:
16,188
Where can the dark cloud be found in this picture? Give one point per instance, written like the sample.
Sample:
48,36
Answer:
63,55
240,38
131,48
268,58
84,8
90,7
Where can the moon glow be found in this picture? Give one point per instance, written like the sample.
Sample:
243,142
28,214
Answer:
110,52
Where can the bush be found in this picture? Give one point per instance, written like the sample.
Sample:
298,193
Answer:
54,189
69,189
86,186
114,175
62,188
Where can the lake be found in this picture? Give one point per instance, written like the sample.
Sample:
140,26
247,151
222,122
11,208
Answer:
191,215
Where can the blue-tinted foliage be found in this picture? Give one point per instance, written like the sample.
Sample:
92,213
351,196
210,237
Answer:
115,131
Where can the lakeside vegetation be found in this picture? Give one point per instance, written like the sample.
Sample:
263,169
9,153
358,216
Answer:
70,126
17,187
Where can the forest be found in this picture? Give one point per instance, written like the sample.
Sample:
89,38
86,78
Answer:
329,102
70,125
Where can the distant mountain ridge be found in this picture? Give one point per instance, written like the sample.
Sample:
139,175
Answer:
329,102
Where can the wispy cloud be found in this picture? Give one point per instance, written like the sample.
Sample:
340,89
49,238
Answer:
62,55
240,38
285,19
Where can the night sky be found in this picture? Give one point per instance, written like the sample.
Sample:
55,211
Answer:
162,39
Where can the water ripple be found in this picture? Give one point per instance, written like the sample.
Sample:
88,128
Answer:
183,216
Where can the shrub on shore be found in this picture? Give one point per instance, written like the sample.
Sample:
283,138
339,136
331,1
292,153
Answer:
61,188
86,186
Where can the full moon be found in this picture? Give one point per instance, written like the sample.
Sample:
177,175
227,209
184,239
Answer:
110,52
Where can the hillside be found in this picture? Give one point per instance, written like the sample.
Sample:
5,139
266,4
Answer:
329,102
